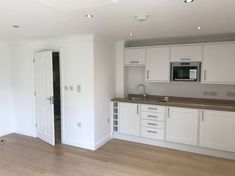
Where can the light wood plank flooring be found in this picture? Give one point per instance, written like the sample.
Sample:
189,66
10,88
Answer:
24,156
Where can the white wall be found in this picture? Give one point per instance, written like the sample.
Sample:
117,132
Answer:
135,76
104,67
77,69
120,86
6,106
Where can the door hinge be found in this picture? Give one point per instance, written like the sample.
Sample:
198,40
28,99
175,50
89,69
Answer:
33,60
34,93
36,125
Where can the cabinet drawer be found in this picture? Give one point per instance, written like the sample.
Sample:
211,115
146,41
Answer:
152,133
152,124
153,108
153,116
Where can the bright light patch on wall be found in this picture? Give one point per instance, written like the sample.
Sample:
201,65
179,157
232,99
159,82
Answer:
69,5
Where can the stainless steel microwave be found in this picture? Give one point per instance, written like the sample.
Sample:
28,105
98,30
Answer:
186,71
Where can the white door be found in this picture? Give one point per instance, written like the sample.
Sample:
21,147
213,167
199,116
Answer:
157,67
44,96
182,125
217,130
129,119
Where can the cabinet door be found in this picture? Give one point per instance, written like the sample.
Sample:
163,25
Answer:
129,119
157,67
217,130
218,64
135,57
190,53
182,126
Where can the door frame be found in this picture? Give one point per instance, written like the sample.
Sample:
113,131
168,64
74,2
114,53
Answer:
60,50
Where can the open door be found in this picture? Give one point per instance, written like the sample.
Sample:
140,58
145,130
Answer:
44,96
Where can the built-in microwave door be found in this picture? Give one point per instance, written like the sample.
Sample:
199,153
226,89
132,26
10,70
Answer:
182,72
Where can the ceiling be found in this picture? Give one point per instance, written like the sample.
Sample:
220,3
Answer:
115,19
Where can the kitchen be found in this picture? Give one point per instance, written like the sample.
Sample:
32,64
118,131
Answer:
117,87
178,96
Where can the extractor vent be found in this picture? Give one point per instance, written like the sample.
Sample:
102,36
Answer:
69,5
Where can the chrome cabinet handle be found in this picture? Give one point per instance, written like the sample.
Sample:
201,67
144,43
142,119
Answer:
168,112
134,62
152,116
152,108
152,132
185,59
137,109
147,74
204,75
203,116
152,124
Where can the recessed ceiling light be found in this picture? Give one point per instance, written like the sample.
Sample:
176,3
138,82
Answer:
131,34
142,17
89,15
15,26
198,27
188,1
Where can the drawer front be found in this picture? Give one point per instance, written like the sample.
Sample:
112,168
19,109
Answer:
152,124
152,133
153,116
153,108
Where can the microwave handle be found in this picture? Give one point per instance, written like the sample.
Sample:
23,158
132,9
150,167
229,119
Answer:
185,59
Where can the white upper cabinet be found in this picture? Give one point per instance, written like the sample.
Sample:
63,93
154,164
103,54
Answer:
217,130
218,64
157,67
129,116
186,53
182,125
135,57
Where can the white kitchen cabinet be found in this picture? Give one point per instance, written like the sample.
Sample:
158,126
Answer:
217,130
135,57
186,53
182,125
218,64
129,119
157,68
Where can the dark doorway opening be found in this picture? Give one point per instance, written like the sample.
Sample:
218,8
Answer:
57,98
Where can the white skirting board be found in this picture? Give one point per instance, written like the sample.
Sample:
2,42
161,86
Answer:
181,147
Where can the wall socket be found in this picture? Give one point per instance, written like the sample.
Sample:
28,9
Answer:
210,93
230,94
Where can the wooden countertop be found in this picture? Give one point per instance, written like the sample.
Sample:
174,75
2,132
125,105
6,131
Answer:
197,103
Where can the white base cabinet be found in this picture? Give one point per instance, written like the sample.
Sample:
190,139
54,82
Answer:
217,130
182,125
129,117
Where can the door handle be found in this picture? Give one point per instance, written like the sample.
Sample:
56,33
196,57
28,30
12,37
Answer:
51,99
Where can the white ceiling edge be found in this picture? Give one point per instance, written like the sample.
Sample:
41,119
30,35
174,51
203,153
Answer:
70,5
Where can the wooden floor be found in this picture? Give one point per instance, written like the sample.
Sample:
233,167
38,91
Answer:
24,156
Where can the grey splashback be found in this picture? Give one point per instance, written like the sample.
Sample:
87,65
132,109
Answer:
135,76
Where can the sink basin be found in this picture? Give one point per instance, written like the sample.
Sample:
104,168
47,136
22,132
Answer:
136,98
